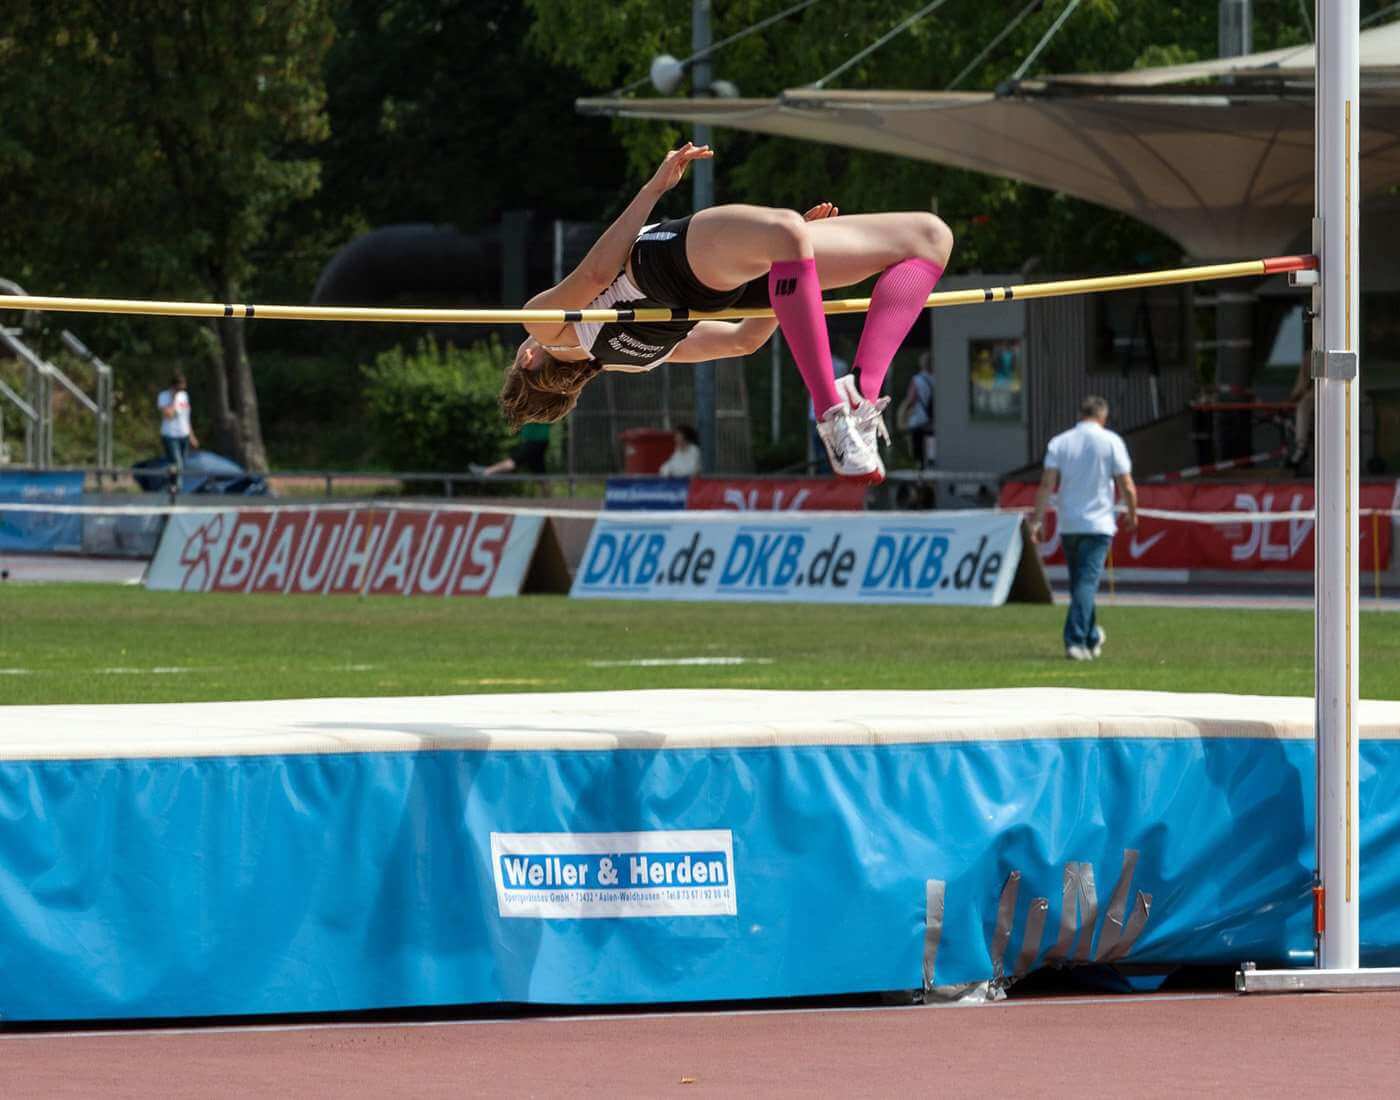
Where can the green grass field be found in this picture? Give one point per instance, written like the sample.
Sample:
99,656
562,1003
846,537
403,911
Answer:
101,644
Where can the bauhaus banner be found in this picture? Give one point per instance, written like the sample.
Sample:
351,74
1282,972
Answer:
354,551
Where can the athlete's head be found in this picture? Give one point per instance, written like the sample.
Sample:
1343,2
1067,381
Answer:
541,389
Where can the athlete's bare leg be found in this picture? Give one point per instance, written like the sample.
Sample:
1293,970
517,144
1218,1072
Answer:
728,246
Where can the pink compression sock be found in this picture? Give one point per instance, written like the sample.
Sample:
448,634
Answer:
897,301
796,295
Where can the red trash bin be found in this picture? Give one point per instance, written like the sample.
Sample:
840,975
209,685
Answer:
645,449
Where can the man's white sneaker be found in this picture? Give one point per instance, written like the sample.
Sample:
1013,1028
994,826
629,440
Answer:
869,417
1100,636
1078,653
850,457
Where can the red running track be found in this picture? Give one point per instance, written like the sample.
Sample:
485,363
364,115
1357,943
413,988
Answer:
1217,1044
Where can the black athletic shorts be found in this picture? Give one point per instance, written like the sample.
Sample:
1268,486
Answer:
529,455
664,275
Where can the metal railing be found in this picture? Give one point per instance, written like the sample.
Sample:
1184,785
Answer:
107,478
36,405
453,484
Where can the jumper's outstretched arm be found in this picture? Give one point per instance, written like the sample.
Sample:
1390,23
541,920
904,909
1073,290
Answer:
608,255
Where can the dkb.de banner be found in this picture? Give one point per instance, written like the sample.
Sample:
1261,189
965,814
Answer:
942,558
357,551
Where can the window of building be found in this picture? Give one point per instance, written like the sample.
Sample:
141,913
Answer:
996,376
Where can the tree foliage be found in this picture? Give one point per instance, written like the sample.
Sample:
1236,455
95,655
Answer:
442,112
434,407
149,144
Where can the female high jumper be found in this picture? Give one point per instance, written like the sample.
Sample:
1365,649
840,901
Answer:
736,257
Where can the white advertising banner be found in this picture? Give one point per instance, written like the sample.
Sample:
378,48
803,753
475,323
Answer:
666,873
965,558
355,551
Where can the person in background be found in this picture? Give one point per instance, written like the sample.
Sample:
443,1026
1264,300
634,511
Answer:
1082,467
685,459
915,413
176,434
527,456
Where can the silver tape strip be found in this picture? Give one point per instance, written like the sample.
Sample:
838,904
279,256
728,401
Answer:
1006,916
1069,916
969,993
933,926
1142,908
1089,910
1117,907
1035,933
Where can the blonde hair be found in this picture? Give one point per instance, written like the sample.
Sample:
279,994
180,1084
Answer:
545,394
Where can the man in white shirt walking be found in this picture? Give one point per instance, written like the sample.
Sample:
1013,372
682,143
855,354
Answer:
1082,467
176,434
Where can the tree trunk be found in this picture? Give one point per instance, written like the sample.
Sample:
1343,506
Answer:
235,395
224,435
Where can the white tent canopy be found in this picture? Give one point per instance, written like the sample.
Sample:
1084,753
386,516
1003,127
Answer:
1380,62
1226,170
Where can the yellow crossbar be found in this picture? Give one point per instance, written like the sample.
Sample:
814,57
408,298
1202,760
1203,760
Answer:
1061,288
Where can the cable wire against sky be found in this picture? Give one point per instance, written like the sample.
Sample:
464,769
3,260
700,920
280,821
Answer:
927,9
1045,40
1377,16
754,29
1033,6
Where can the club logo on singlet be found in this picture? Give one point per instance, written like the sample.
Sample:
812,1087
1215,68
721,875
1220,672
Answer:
783,287
665,235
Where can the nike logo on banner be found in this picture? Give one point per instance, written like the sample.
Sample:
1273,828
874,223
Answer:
1138,549
784,287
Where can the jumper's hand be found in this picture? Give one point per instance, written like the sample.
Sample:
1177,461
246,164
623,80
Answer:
672,169
820,211
529,356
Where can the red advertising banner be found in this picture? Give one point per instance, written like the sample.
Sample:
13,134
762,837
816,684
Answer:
1190,544
376,551
798,494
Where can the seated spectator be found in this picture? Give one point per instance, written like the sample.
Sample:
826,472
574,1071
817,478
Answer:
685,459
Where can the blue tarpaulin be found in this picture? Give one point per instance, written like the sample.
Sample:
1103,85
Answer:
40,532
204,472
338,855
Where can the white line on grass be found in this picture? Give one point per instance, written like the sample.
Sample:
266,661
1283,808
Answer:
159,670
662,662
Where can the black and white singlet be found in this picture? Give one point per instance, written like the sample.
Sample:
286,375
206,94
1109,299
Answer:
629,345
663,279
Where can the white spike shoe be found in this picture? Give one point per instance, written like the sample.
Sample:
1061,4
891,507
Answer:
845,446
869,417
